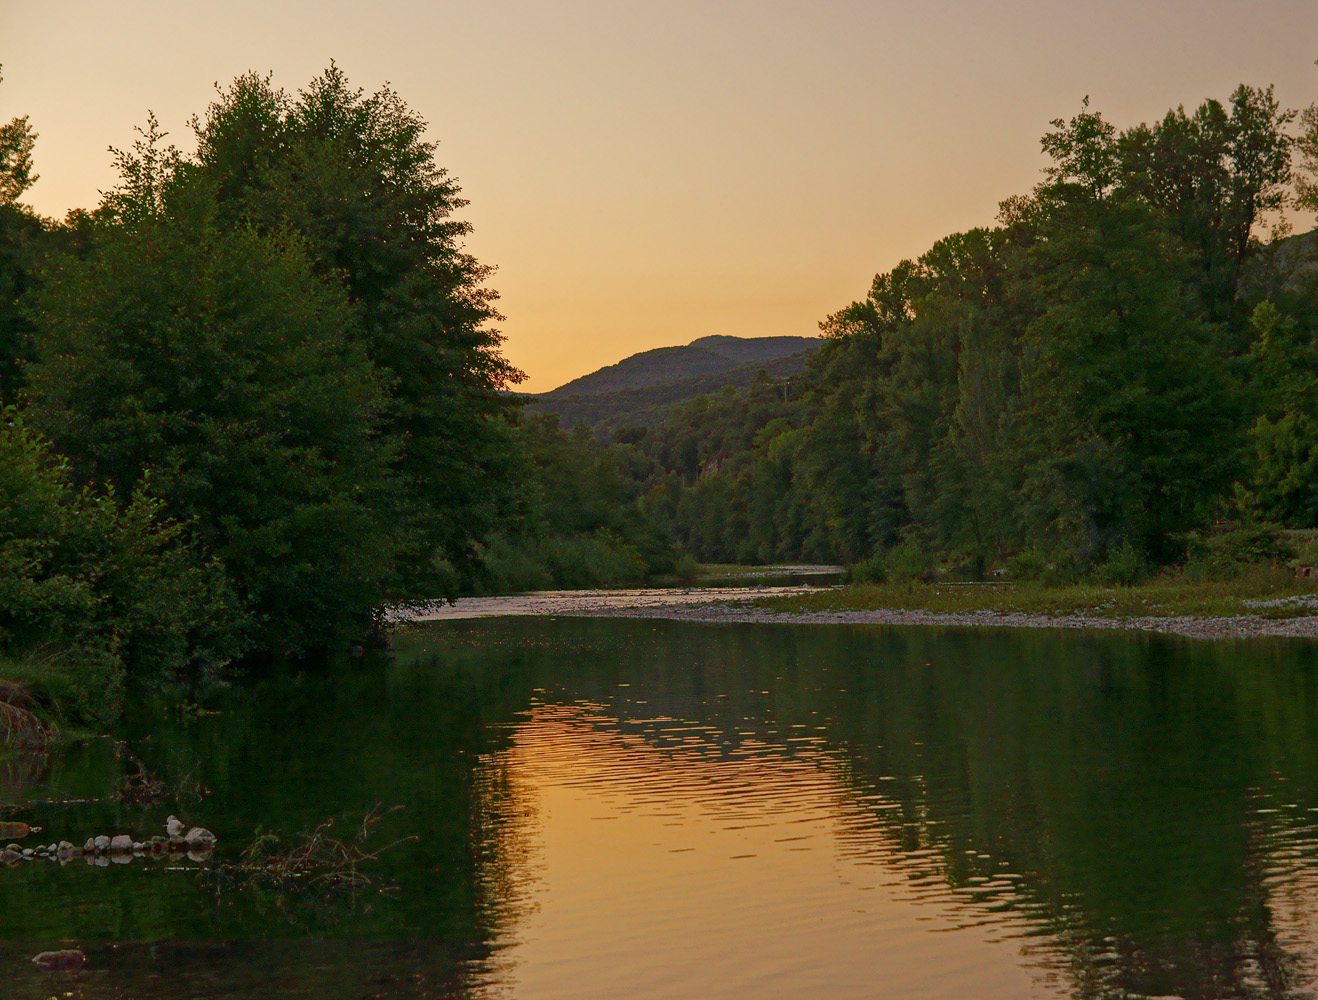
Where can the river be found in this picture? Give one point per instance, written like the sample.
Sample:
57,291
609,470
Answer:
598,808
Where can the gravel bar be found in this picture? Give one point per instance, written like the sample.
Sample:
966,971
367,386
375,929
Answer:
1230,627
731,605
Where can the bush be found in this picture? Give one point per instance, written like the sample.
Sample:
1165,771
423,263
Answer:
1225,556
119,591
1123,568
1028,566
908,561
871,570
570,562
686,569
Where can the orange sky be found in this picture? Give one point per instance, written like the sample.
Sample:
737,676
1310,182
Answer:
643,174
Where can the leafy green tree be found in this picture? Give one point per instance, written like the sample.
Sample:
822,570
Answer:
1306,177
16,142
1212,176
1285,435
104,592
23,240
19,231
218,364
1134,409
352,176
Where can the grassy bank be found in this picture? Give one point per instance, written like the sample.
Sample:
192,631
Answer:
1265,591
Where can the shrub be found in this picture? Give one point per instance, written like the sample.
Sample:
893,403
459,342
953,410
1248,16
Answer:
1224,556
871,570
119,590
908,561
1123,567
1028,566
573,562
686,569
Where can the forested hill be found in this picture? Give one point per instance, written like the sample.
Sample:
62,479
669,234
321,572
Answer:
648,406
640,389
665,365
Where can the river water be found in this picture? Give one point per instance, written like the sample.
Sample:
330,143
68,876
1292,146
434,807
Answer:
596,808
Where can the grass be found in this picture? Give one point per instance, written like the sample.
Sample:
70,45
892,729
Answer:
20,726
1164,596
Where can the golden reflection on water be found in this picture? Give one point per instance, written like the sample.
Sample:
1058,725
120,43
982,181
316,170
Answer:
691,866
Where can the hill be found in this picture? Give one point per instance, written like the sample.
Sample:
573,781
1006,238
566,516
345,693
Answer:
666,365
639,390
647,406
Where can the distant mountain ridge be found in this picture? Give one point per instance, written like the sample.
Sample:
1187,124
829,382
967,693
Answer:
666,365
641,389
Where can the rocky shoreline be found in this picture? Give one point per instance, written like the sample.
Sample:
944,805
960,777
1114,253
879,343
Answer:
733,605
1246,626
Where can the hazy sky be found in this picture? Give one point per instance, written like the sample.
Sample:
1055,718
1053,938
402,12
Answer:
643,174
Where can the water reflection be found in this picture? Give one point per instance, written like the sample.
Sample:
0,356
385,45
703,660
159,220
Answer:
688,867
638,808
1126,816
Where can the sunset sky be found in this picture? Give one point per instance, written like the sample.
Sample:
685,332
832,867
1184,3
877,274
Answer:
643,174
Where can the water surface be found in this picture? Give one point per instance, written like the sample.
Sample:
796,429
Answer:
605,808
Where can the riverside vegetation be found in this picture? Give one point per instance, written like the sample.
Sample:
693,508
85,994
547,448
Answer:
255,396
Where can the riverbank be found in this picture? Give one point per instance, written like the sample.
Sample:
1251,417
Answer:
1268,606
1191,626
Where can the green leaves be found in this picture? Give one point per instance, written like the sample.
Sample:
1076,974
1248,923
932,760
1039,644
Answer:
120,589
351,176
217,362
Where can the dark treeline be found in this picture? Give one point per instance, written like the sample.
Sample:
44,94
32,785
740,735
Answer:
1091,385
255,396
252,397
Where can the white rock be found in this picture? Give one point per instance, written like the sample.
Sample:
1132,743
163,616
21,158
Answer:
199,837
122,844
173,826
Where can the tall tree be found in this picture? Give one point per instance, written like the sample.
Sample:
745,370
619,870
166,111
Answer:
354,177
216,363
20,231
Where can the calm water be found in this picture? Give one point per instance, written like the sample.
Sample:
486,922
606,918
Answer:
605,809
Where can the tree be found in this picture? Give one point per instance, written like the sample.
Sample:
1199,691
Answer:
216,363
20,230
1133,411
1285,435
16,176
111,592
352,175
1306,177
1212,176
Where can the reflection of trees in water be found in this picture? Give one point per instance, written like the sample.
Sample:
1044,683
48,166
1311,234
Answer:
182,970
1118,780
504,854
20,769
1106,789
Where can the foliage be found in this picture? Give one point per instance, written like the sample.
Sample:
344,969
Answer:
92,592
1070,392
215,363
581,521
284,331
1229,554
352,177
16,142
